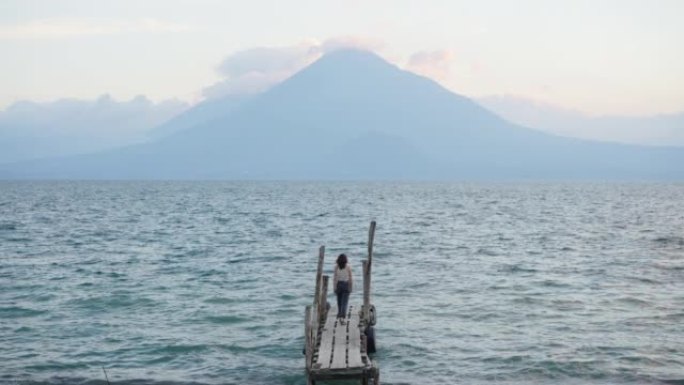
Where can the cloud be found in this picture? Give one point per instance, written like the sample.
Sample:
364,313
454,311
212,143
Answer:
251,83
68,28
267,60
357,42
433,64
256,70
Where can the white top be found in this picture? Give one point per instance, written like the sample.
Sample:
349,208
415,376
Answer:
342,275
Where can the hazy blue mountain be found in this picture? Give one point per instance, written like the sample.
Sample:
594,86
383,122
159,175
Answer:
30,130
351,115
201,113
657,130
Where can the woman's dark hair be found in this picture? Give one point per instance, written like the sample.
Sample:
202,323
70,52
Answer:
342,261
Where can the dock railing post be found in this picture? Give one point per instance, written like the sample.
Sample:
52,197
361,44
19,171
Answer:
317,293
323,302
319,273
367,267
371,237
366,290
308,344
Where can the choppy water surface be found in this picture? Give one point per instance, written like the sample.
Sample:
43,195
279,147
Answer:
207,282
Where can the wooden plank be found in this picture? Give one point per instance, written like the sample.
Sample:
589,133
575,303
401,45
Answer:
345,352
339,358
341,374
326,343
341,343
354,347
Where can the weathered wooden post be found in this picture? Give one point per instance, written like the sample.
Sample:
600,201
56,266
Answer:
323,303
366,290
371,237
319,273
308,343
317,293
367,266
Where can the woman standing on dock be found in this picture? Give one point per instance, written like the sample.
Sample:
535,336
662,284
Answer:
342,284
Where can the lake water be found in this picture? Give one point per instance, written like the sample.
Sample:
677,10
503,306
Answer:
206,282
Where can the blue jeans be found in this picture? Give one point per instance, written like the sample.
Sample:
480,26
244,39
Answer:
342,292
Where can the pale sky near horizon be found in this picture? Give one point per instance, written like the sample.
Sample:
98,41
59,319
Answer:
599,57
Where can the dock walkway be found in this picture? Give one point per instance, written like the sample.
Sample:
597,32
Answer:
336,351
340,352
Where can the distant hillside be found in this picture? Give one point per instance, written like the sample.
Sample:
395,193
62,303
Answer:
30,130
656,130
201,113
351,115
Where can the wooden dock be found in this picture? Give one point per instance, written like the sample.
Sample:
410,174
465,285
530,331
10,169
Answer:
336,351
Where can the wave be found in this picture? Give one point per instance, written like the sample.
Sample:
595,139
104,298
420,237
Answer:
672,240
19,239
180,349
12,312
112,302
61,380
487,252
679,381
552,283
516,268
221,300
633,301
217,298
226,319
8,226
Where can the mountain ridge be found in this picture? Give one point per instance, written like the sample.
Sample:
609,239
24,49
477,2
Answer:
665,130
352,105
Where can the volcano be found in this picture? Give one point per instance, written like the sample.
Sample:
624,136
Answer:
352,115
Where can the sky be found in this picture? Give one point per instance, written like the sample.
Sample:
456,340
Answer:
600,57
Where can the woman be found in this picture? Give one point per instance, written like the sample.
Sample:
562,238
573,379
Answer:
342,284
